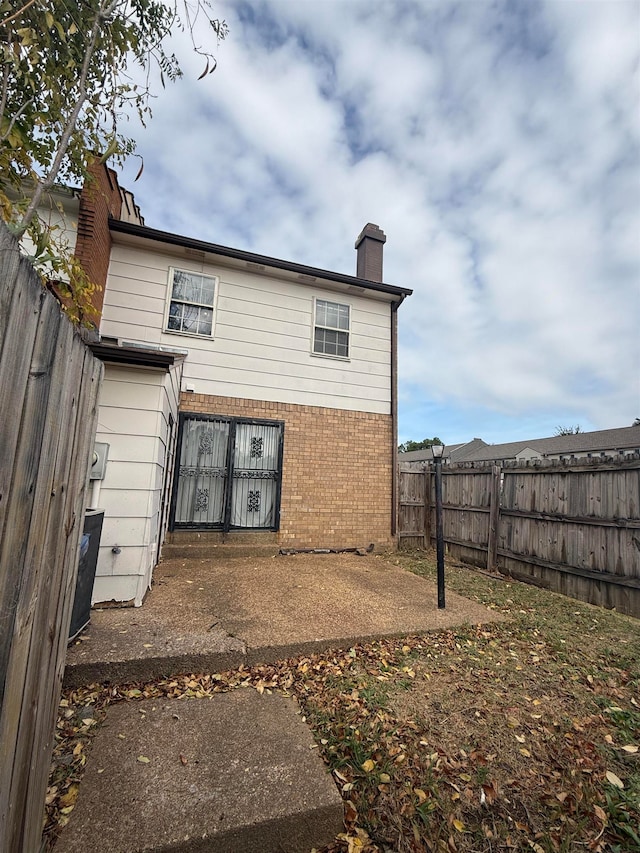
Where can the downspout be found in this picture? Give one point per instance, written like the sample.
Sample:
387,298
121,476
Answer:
394,414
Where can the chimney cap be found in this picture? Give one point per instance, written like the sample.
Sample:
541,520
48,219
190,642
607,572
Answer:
374,232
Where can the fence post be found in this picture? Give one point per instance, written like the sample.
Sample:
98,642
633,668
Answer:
494,519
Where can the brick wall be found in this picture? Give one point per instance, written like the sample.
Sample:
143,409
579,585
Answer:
336,479
99,199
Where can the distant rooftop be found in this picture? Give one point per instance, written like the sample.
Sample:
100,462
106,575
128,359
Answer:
599,441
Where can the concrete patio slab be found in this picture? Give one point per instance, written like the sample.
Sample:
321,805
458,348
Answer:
231,774
207,615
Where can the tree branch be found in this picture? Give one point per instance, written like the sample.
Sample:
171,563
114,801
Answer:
17,14
47,183
15,117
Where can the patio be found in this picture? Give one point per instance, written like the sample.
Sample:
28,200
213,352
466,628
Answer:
214,614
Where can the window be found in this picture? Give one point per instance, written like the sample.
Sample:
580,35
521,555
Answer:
191,303
331,329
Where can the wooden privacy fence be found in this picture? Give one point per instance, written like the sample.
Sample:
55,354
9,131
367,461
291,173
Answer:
48,407
573,527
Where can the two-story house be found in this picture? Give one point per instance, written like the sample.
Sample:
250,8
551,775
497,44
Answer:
241,392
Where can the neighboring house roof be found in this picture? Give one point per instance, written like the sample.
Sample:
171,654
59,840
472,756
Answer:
305,274
454,452
599,441
425,453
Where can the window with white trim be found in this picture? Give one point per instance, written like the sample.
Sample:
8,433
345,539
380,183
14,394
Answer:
191,304
331,329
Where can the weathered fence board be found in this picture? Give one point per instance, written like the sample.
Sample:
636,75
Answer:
413,509
573,527
48,399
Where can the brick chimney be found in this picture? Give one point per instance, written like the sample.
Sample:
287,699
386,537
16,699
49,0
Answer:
369,247
100,198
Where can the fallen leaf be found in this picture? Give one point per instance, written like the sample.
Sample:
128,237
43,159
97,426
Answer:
600,814
459,825
385,778
631,748
350,812
69,799
420,794
615,780
143,759
525,752
183,760
520,739
368,765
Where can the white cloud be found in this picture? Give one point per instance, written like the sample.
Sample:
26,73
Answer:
497,146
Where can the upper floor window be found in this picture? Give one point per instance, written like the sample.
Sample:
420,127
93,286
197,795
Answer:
331,328
191,304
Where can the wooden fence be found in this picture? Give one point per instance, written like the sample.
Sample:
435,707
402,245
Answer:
573,527
48,407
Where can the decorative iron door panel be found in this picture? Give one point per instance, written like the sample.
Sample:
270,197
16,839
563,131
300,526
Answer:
255,475
229,476
202,473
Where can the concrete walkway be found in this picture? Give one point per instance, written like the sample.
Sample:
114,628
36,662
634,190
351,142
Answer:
236,773
231,774
208,615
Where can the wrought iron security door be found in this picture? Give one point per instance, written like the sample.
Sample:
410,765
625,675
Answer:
229,474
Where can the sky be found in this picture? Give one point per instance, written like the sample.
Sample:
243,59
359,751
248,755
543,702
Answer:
497,144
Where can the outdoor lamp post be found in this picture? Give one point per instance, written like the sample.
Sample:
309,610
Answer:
437,450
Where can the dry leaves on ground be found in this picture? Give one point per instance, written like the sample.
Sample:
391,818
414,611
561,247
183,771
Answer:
515,736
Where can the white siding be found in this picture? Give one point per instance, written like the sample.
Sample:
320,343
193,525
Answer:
134,413
261,348
63,225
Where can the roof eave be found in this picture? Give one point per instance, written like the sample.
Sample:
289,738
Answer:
135,355
146,233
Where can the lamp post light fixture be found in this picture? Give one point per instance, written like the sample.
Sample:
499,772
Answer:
438,450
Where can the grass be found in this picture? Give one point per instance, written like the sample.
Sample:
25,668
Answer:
509,736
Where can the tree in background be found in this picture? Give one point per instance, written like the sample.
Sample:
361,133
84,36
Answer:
569,430
407,446
67,83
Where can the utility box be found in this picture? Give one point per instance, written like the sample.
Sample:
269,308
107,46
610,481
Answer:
89,546
99,461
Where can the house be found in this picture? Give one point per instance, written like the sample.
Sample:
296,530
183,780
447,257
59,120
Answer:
241,392
415,459
582,445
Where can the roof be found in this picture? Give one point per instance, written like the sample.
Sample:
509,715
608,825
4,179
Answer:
306,274
455,452
612,440
136,354
622,438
